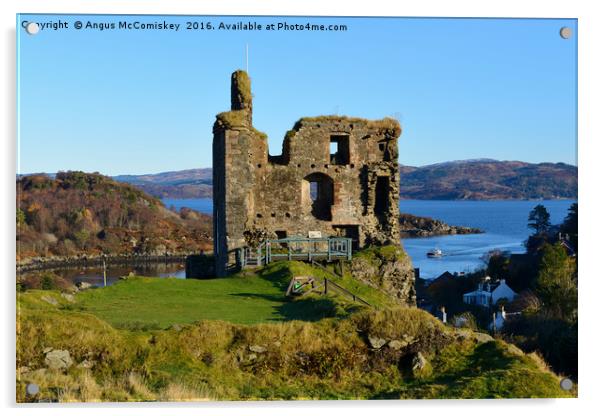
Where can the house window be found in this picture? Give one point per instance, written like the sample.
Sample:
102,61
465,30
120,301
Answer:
339,149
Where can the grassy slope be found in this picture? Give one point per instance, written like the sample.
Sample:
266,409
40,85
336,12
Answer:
158,303
211,359
246,298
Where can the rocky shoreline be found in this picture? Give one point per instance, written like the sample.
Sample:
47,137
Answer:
91,260
412,226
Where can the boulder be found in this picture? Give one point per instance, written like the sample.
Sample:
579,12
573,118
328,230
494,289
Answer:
68,297
397,344
418,362
83,285
376,342
87,364
480,337
50,300
58,359
257,348
420,366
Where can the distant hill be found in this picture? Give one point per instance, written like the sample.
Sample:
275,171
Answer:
78,213
462,179
190,183
489,179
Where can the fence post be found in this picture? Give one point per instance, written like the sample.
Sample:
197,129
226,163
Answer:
325,286
349,249
268,252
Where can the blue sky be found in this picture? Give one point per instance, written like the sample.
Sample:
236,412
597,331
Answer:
133,102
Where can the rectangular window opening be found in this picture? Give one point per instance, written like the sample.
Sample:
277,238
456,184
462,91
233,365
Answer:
339,149
381,201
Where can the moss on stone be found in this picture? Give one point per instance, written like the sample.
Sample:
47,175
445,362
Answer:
232,119
259,133
375,255
241,90
387,124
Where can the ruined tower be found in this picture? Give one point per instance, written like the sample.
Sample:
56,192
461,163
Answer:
336,175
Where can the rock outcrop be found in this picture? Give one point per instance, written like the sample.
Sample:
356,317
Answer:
57,359
414,226
389,269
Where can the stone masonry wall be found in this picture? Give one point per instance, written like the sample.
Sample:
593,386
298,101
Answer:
352,192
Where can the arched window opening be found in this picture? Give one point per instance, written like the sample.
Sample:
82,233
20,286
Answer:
318,190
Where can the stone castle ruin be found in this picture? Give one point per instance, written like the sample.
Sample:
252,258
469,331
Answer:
336,176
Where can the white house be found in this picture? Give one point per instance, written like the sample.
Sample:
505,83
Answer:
480,297
488,293
502,291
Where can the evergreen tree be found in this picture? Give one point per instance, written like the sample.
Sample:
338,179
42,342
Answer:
570,222
556,282
539,219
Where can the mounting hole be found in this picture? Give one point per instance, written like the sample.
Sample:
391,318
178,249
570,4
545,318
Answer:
259,165
313,166
259,216
32,28
566,384
287,215
273,214
32,389
566,33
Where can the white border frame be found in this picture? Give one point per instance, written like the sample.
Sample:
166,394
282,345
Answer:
589,70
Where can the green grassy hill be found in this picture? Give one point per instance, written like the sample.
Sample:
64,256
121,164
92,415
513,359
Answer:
239,338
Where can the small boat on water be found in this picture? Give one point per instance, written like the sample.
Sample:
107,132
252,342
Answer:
435,253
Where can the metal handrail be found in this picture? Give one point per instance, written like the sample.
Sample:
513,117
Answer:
336,247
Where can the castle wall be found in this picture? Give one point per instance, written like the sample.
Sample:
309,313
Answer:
353,192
